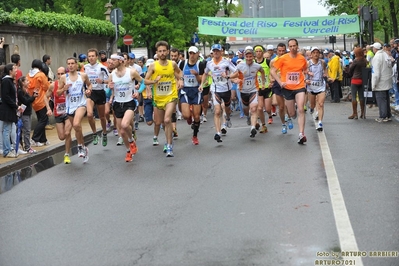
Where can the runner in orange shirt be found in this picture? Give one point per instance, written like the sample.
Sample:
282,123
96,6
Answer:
292,67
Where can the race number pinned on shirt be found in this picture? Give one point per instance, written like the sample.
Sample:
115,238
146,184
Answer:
164,88
60,108
292,78
249,83
190,81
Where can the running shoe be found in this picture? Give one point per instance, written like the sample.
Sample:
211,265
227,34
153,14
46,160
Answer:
224,130
386,119
155,142
319,127
204,119
21,151
175,135
115,131
302,139
136,125
285,117
86,155
248,120
290,124
169,151
195,141
31,151
108,126
67,160
179,116
47,143
284,129
228,123
263,129
129,157
133,147
270,120
257,126
119,142
165,147
81,152
105,140
141,119
274,113
379,120
253,133
95,139
11,154
217,138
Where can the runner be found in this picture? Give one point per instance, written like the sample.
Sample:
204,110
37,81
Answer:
265,92
72,84
249,86
316,84
63,124
221,70
123,91
277,92
98,75
292,81
163,74
190,94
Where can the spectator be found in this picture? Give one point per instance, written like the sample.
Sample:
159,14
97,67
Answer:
39,82
2,53
25,98
381,81
47,61
357,89
8,108
103,58
335,76
16,59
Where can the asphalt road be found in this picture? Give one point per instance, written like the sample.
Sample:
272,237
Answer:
261,201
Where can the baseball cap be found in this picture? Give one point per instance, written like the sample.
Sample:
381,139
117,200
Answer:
325,51
344,53
397,40
248,48
131,55
149,62
193,49
270,47
216,46
377,45
239,61
231,52
387,45
337,51
102,52
314,48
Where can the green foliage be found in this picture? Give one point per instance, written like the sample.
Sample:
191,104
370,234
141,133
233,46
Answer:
69,24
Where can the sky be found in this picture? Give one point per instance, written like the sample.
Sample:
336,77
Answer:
311,8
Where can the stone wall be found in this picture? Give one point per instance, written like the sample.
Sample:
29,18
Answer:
32,43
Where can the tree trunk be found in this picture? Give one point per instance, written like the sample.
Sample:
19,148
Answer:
393,18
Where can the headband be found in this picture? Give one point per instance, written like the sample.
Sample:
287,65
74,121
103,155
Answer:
118,57
259,46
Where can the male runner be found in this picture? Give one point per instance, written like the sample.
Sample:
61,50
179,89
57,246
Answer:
72,84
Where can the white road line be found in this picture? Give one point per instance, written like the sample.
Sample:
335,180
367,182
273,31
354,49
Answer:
344,227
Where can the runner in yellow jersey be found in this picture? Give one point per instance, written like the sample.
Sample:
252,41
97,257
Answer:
163,74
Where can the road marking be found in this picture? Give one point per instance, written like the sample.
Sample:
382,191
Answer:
346,235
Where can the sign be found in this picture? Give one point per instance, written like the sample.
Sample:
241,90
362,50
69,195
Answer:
278,27
195,38
127,39
116,16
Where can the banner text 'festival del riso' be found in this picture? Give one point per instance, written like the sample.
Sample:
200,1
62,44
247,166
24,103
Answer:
278,27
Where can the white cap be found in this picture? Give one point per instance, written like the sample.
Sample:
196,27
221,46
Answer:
149,62
193,49
239,61
377,45
248,48
314,48
270,47
344,53
337,51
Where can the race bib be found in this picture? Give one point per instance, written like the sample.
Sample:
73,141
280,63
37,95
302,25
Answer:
60,108
249,83
74,99
260,81
292,78
315,85
219,80
164,88
190,81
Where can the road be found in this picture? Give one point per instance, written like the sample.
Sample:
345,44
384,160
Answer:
261,201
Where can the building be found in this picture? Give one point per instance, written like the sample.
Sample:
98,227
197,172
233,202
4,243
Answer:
271,8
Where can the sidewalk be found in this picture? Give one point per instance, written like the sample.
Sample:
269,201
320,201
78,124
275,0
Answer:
8,165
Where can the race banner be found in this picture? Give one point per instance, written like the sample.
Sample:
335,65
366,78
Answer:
278,27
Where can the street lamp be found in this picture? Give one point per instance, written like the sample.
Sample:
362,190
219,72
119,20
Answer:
344,14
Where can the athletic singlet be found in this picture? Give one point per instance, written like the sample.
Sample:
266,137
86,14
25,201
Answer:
124,87
190,80
248,74
266,68
317,83
166,86
59,101
220,84
291,70
94,72
75,95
